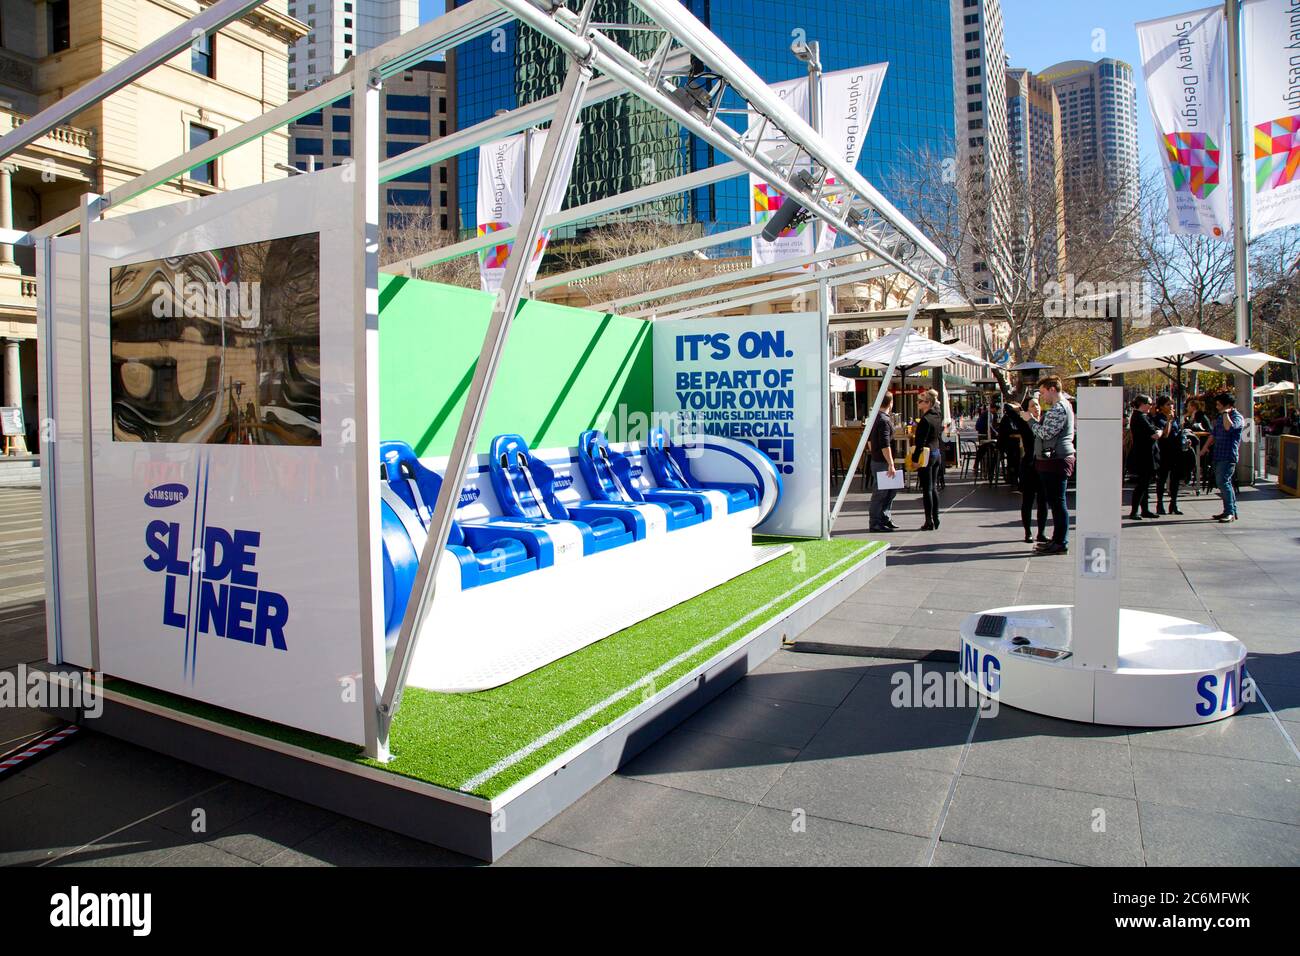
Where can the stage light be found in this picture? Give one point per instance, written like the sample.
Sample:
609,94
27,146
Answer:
791,212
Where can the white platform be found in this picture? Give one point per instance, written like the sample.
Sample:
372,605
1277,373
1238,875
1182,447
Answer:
1171,672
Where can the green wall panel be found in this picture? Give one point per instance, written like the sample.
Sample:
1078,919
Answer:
564,369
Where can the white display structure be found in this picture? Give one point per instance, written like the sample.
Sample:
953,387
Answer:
1095,661
219,568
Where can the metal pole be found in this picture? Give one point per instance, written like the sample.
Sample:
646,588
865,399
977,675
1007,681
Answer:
824,329
462,449
90,206
875,406
366,87
1245,383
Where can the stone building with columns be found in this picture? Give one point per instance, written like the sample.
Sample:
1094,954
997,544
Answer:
48,48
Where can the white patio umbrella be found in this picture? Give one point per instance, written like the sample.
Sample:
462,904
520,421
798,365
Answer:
1177,348
918,352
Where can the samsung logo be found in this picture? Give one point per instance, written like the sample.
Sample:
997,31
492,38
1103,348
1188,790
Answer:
165,495
469,495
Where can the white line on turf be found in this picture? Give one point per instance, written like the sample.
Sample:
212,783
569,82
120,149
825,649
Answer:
561,729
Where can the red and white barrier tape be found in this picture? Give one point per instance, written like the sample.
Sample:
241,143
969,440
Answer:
14,760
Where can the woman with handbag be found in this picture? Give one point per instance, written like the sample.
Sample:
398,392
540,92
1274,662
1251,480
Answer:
1142,457
927,456
1054,457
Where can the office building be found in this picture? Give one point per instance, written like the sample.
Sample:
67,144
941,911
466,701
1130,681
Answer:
50,48
626,144
980,121
1099,128
340,29
413,112
1034,148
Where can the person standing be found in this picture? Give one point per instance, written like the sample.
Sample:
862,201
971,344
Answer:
1054,450
1141,460
1197,425
1169,466
1031,486
929,435
882,463
1225,446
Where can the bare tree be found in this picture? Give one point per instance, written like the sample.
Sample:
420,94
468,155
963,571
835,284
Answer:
1275,305
1028,235
1190,277
415,234
622,237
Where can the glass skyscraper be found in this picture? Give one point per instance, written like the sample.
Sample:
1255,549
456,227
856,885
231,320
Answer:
625,141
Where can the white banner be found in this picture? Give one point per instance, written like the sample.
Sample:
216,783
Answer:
756,379
501,197
1272,76
848,100
1184,60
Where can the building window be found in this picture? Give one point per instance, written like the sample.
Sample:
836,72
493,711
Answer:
407,126
308,146
442,104
442,174
207,173
202,60
342,147
60,25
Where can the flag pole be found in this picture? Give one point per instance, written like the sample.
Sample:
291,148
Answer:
1245,384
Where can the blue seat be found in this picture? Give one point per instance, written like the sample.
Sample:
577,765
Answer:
485,553
672,471
609,477
525,489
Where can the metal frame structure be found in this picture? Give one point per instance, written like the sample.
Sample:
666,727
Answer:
599,68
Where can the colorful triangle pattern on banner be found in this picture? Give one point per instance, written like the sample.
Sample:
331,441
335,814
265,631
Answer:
1277,152
1194,162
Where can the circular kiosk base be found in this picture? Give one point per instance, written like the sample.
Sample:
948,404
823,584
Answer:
1171,672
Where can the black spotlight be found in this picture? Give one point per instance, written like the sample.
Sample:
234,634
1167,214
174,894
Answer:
791,212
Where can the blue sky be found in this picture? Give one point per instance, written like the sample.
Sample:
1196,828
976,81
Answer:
1040,33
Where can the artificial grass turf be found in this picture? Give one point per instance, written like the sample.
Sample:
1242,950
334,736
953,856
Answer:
485,742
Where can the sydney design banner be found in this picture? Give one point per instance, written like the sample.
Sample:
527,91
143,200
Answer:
501,198
1272,68
755,379
848,100
1184,61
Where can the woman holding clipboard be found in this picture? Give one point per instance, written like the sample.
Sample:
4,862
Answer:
926,455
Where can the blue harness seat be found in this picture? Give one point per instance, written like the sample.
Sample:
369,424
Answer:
673,471
609,476
525,489
485,553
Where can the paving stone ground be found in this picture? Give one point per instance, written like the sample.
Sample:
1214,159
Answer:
807,761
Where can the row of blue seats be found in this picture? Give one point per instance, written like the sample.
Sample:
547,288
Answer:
522,538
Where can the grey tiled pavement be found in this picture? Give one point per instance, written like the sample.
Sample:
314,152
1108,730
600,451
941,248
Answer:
806,761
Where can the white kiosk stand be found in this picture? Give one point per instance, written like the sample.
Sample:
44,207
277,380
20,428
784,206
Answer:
1095,661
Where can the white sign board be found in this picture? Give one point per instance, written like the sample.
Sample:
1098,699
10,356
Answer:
11,420
225,467
758,379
